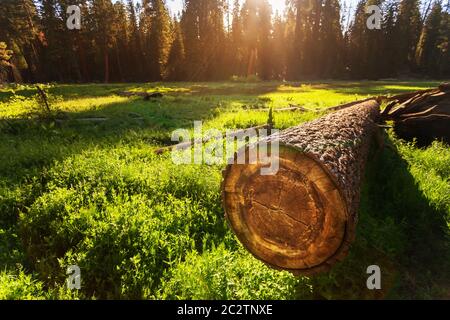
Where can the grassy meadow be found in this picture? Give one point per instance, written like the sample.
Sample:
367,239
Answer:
95,194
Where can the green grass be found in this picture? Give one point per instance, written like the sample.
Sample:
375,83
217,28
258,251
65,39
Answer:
96,195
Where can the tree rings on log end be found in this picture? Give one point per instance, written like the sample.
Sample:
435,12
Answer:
295,220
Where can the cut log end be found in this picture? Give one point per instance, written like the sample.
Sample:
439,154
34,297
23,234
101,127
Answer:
295,220
303,218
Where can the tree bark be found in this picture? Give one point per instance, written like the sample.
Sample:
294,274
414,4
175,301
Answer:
303,218
106,62
119,63
422,115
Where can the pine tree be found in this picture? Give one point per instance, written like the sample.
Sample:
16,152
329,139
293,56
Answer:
136,57
278,45
357,42
102,19
236,41
429,54
53,50
330,40
374,43
444,45
409,28
159,40
145,27
176,61
257,26
249,15
307,37
265,70
214,43
203,28
18,29
121,35
389,62
293,41
190,24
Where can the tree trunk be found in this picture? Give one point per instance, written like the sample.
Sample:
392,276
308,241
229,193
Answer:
303,218
251,63
106,60
17,76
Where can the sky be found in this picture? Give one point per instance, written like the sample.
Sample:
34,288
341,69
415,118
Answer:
277,5
177,5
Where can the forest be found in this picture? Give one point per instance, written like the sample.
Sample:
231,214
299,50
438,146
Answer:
129,41
352,96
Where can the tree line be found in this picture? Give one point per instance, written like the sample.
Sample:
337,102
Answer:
218,39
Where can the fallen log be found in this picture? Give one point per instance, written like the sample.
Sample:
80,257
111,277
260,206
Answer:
145,95
424,129
303,218
334,108
406,96
291,108
295,108
422,115
354,103
93,120
188,144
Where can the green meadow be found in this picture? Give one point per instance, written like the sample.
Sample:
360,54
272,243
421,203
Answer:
95,194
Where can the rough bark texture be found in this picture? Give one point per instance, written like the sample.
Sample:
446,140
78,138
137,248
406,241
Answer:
303,219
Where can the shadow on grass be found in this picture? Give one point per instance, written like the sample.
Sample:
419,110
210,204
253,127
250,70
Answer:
68,91
91,90
28,145
399,230
74,91
381,88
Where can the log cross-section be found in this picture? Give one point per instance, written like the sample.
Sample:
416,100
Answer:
303,218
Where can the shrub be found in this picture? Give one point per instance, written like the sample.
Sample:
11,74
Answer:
223,274
20,286
121,220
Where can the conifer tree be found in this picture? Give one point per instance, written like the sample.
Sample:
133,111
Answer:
409,29
176,61
102,20
430,52
159,40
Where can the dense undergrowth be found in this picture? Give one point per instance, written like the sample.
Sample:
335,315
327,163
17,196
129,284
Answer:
138,226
